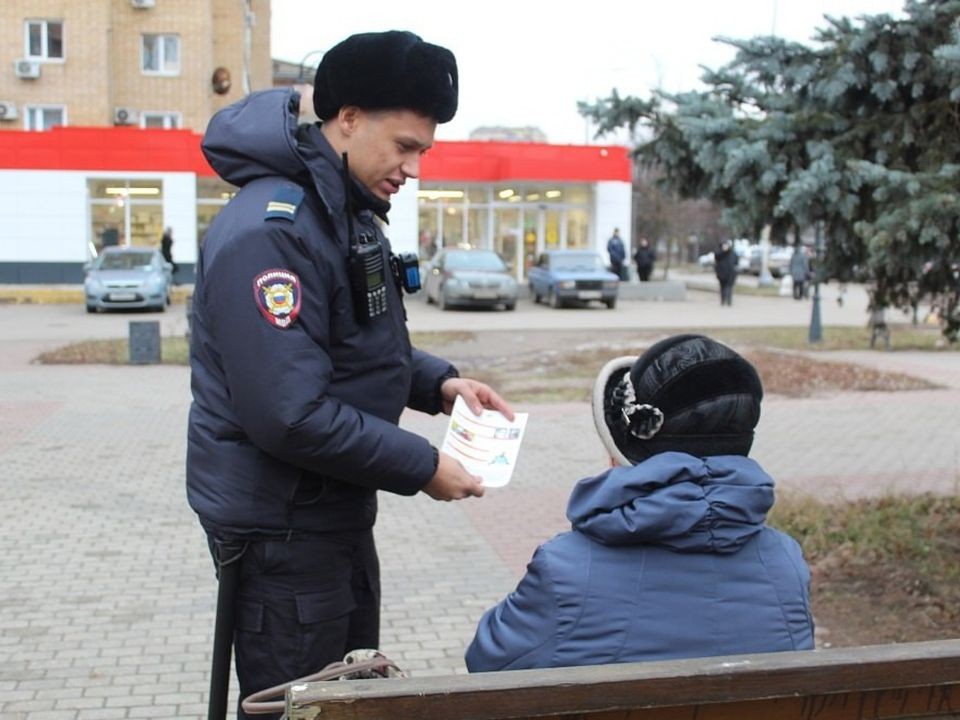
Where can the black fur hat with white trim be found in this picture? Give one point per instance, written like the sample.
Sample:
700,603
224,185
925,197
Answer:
387,70
687,393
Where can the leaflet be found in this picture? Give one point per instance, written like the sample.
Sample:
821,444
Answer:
486,444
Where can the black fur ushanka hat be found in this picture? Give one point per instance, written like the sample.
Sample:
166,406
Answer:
687,393
387,70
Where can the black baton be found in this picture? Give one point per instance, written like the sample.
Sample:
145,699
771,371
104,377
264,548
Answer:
227,556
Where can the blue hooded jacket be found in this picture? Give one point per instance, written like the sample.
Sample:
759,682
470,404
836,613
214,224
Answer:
293,428
667,559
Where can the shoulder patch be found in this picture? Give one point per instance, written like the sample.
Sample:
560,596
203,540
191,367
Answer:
277,294
284,203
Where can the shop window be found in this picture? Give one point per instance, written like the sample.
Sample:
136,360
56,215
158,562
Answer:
161,120
160,54
44,39
477,228
212,194
577,227
125,212
478,194
451,231
44,117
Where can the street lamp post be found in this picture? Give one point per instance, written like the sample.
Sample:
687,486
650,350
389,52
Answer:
816,329
303,64
765,279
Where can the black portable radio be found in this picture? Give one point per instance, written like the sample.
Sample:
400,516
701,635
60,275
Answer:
367,278
365,264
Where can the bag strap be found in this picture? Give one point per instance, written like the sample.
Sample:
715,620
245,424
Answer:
263,702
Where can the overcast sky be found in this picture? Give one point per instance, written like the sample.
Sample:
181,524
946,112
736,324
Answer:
523,62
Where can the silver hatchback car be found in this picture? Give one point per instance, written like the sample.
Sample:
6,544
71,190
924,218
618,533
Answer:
475,278
128,277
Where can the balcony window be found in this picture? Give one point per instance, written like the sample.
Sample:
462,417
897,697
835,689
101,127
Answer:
161,120
44,117
44,39
160,54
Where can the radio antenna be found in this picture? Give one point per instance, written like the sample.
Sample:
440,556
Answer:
345,177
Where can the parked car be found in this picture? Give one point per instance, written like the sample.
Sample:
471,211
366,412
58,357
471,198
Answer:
567,276
128,277
476,278
777,262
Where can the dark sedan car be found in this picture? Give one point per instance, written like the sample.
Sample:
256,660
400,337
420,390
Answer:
476,278
128,277
562,277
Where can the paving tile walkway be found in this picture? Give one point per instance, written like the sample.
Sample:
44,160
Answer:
106,588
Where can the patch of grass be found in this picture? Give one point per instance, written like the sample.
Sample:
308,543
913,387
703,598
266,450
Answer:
922,531
173,351
568,374
903,337
883,570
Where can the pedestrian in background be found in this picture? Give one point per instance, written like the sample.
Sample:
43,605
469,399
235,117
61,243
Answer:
725,268
799,271
644,257
301,359
166,249
668,555
617,253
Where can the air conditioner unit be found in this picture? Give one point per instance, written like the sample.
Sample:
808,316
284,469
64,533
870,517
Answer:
8,110
27,68
125,116
143,4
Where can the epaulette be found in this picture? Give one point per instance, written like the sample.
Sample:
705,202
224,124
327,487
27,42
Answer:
285,203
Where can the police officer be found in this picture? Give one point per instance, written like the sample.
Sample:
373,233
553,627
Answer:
301,361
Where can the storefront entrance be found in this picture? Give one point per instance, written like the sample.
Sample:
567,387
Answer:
519,222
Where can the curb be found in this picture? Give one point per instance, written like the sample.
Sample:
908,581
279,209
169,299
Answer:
68,295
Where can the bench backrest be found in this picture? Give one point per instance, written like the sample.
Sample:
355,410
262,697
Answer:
910,680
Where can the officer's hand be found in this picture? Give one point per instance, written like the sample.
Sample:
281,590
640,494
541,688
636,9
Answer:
451,481
476,394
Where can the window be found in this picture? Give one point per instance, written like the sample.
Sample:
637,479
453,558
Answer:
160,54
162,120
44,117
44,39
124,212
212,194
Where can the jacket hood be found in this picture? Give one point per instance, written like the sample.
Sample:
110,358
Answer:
255,137
259,136
675,500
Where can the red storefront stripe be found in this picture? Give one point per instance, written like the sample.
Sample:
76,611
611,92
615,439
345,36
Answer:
133,149
490,161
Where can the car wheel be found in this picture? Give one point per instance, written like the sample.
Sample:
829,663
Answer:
91,309
611,303
510,306
555,301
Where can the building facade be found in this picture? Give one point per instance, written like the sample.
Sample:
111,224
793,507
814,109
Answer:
66,193
121,91
141,63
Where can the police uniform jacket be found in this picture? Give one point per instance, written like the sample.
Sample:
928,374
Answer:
293,425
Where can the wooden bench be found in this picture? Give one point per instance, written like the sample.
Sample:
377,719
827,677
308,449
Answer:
910,680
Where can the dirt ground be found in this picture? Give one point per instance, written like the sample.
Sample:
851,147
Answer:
858,599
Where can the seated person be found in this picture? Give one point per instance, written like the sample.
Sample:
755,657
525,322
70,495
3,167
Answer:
668,555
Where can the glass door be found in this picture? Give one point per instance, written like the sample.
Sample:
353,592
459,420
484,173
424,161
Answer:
506,239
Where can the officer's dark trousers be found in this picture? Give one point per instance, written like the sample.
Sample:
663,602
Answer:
302,604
